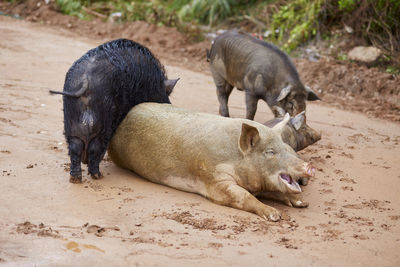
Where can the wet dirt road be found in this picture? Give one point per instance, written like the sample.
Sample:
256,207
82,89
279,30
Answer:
120,220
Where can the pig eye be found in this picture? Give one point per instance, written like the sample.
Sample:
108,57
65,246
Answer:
270,152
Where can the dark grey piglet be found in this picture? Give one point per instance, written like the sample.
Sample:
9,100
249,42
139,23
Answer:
261,70
297,134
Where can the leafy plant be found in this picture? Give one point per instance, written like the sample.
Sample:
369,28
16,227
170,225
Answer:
206,11
347,5
296,22
71,7
375,21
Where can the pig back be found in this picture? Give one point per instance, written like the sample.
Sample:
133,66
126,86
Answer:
160,140
234,54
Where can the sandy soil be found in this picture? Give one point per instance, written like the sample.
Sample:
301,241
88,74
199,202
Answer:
353,218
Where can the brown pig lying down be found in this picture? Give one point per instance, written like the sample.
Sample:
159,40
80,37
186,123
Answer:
225,160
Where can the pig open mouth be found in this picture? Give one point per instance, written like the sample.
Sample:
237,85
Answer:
288,180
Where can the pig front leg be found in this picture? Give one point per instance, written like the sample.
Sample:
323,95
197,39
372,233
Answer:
297,201
75,147
251,105
223,93
232,195
291,200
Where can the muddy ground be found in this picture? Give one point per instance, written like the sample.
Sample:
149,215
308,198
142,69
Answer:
120,220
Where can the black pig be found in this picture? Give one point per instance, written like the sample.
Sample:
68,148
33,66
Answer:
261,70
99,90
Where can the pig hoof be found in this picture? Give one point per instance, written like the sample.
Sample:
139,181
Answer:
274,217
97,176
300,204
75,179
271,215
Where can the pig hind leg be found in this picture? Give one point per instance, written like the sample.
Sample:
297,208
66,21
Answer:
96,152
251,105
75,146
223,92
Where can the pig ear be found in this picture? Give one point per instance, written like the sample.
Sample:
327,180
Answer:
249,138
284,92
278,110
279,127
169,85
311,95
298,120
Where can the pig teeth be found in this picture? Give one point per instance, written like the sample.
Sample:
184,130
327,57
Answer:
287,178
290,182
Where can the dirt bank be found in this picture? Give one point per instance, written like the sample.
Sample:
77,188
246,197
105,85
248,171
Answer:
353,218
341,84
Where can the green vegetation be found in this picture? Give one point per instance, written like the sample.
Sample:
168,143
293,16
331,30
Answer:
374,21
296,22
72,7
207,11
289,23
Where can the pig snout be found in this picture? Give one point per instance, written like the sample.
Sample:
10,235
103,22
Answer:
308,169
315,136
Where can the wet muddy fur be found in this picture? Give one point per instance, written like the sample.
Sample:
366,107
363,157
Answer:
100,88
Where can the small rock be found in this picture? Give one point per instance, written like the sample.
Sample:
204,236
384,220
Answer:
114,17
364,54
348,29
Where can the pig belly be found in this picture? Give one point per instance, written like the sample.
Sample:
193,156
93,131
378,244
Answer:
192,185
